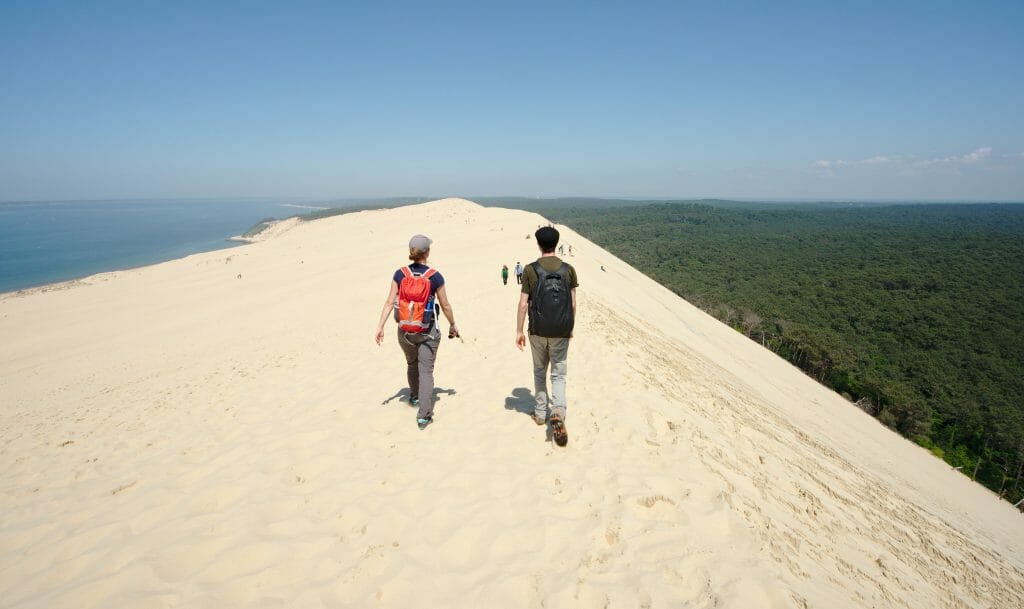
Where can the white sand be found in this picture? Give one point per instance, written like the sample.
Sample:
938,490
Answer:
176,436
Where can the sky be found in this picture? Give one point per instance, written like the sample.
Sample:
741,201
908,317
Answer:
756,100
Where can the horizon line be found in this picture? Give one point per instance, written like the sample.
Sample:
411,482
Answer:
425,198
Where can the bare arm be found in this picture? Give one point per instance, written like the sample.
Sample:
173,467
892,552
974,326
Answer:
446,308
389,305
524,300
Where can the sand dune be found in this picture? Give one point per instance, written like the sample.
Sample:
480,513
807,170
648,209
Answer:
222,431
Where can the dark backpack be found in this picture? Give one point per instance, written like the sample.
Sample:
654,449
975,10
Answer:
551,314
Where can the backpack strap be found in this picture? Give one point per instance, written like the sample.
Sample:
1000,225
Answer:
541,274
408,272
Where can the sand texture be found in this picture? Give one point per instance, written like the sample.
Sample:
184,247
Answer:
222,431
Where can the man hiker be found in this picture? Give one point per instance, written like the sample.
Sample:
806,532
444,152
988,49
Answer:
519,273
549,297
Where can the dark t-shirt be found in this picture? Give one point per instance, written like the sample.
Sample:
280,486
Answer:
549,264
436,280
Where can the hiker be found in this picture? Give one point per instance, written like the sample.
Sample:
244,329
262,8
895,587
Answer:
414,293
519,273
504,274
549,296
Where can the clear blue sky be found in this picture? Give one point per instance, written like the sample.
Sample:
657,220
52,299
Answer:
850,100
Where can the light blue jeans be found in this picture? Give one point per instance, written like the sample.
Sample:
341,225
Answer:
553,352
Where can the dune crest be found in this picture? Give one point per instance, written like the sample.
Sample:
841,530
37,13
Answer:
221,430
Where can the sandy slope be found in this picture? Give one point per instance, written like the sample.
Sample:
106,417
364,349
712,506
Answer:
221,431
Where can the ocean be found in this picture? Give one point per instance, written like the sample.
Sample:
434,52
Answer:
48,242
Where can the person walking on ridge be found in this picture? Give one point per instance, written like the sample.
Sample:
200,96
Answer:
414,293
548,296
504,274
519,273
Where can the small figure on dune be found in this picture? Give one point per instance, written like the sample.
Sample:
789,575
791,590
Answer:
504,274
519,273
414,293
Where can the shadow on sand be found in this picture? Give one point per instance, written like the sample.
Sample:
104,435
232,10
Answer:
522,401
402,395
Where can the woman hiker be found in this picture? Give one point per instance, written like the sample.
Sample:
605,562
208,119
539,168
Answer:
414,293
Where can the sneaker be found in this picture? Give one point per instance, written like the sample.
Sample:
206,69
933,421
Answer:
538,419
422,423
414,401
558,431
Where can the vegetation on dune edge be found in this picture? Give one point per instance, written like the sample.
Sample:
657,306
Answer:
913,312
336,209
259,227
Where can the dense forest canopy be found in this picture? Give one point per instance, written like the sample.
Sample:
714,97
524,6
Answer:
915,312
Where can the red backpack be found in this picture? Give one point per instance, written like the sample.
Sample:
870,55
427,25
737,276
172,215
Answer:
415,310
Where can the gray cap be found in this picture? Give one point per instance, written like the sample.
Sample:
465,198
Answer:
420,242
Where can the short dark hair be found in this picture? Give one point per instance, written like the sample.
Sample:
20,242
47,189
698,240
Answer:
547,238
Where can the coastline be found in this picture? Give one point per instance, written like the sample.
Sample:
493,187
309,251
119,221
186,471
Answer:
48,243
268,229
91,278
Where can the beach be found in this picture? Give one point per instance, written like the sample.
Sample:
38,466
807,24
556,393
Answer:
221,430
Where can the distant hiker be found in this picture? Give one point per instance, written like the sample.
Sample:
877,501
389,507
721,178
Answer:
561,249
519,273
504,274
549,297
414,293
570,251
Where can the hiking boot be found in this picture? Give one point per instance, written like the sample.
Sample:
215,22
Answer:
558,432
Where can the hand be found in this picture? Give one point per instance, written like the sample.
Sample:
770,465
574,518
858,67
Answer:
380,335
453,331
520,340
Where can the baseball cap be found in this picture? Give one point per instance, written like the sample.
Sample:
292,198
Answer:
420,242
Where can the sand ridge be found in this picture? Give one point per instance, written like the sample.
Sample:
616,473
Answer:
221,431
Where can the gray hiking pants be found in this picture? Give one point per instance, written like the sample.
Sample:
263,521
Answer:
420,351
553,352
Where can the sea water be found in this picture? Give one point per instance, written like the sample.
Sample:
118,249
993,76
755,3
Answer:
47,242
